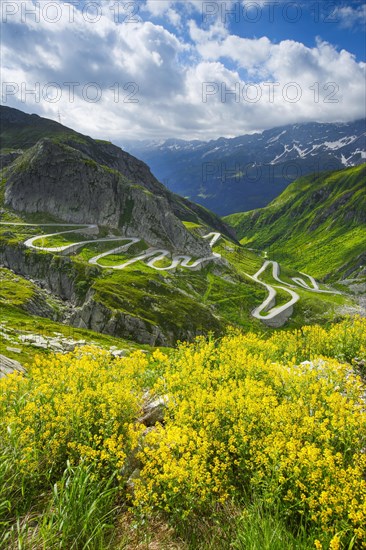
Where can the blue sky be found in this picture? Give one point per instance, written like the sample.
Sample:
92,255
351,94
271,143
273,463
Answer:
340,23
155,69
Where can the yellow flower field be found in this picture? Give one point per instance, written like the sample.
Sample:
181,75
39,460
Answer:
279,420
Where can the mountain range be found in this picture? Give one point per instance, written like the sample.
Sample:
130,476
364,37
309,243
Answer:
92,240
247,172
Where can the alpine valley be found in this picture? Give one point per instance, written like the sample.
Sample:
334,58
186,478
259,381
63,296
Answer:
182,275
92,241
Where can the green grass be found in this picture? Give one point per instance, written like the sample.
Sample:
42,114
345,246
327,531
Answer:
14,290
21,136
163,263
253,527
234,300
243,259
261,529
81,511
192,225
118,258
114,259
2,189
317,224
148,295
61,240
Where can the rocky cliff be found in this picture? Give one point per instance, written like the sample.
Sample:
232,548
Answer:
56,179
80,180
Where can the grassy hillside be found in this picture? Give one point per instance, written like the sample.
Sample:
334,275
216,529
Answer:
23,329
25,130
318,224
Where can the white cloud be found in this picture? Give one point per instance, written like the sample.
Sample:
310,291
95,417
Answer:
349,16
163,8
167,72
217,43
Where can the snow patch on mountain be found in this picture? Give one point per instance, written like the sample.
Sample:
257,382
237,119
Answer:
272,140
339,143
280,154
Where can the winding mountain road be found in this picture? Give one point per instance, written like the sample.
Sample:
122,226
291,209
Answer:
266,312
276,316
155,253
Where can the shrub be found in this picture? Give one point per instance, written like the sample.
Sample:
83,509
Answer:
73,407
275,428
243,427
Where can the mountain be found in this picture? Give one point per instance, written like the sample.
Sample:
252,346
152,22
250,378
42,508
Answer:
318,224
56,171
91,240
247,172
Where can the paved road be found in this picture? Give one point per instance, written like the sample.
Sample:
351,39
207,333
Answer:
266,311
155,254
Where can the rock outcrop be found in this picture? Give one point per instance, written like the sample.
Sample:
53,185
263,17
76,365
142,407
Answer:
8,366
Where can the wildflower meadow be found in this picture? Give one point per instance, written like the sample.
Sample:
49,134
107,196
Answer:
262,445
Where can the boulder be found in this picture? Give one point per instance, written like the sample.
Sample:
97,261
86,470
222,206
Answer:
153,412
8,366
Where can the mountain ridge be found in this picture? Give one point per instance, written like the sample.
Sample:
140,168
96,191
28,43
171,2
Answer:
229,175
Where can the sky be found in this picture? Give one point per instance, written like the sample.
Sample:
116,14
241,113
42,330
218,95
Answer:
158,69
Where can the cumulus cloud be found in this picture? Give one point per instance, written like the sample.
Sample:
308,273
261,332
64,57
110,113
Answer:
133,76
327,84
163,8
350,16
